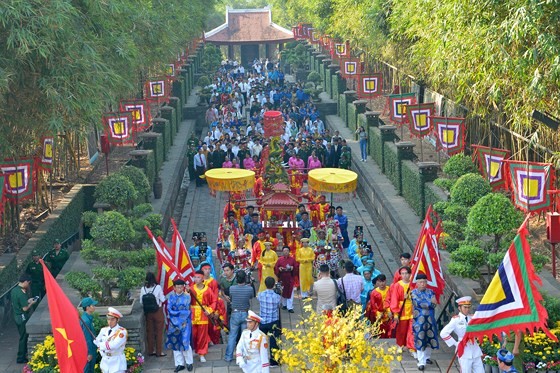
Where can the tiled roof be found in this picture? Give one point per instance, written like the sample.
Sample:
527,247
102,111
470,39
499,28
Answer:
248,26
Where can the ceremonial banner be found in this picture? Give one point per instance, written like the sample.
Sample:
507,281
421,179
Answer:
512,302
340,50
46,162
69,339
492,165
350,67
181,255
18,178
306,29
450,134
119,127
170,71
315,37
140,110
398,104
530,183
156,90
298,31
163,258
326,41
420,118
428,262
370,85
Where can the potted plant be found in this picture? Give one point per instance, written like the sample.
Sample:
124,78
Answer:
205,90
296,56
314,78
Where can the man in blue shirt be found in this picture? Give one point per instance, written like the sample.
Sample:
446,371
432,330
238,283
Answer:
305,224
270,314
343,225
254,227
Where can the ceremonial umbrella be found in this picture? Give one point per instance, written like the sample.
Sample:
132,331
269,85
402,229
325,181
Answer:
230,179
332,180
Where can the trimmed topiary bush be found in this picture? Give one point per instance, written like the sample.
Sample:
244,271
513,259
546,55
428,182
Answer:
494,215
138,178
116,190
466,261
459,165
469,189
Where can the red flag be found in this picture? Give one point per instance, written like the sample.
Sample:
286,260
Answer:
69,340
162,251
181,255
428,263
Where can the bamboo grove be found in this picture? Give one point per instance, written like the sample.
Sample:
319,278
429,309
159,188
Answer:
65,62
500,59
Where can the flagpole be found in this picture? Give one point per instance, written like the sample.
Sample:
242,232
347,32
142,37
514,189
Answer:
452,361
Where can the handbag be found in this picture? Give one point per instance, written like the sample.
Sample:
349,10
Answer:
341,300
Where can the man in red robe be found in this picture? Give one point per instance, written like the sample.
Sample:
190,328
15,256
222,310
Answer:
201,293
286,270
401,307
213,330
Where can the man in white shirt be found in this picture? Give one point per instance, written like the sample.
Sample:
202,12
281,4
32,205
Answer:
257,149
199,166
351,284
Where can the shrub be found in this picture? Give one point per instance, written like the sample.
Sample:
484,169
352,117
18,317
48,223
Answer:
459,165
449,243
138,178
466,261
456,212
552,306
112,229
116,190
314,77
493,215
439,207
444,183
469,189
453,229
203,81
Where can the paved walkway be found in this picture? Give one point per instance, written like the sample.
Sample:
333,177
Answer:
201,212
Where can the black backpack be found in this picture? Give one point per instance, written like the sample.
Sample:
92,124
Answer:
149,302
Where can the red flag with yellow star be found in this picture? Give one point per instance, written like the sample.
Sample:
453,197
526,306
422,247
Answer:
69,340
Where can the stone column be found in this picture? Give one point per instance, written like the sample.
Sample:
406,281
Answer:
162,125
405,151
428,173
372,118
387,134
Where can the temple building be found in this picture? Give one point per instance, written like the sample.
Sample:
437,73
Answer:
249,34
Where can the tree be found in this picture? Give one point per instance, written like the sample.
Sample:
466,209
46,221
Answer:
469,188
493,215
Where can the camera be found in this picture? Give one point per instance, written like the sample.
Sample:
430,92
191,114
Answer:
36,298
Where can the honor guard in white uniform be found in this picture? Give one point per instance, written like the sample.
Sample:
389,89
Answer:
252,350
471,360
111,342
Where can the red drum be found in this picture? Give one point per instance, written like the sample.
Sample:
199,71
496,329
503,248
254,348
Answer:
273,123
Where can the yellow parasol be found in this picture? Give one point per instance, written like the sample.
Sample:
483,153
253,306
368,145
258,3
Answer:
230,179
332,180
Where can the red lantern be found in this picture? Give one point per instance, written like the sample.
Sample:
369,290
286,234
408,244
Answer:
553,227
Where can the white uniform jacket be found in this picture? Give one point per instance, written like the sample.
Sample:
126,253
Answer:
252,352
458,324
111,347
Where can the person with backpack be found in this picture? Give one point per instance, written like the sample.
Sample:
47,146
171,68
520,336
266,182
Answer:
151,298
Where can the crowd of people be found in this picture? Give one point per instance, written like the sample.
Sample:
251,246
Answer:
235,137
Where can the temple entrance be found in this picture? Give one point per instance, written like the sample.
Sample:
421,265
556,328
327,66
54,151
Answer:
248,53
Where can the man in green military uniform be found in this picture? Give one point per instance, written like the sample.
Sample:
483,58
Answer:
56,258
35,270
191,152
346,158
88,305
21,307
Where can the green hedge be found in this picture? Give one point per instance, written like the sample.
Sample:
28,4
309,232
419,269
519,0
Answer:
62,227
9,275
352,117
328,83
433,194
391,163
374,145
172,119
412,186
342,106
148,165
164,129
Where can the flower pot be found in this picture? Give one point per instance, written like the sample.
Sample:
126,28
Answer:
487,368
495,369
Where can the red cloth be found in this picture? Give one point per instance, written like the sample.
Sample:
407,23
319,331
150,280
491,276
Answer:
201,339
286,277
378,304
